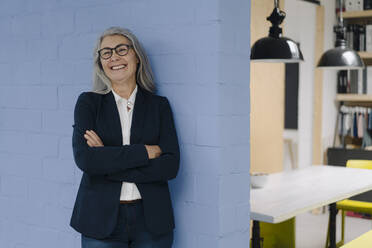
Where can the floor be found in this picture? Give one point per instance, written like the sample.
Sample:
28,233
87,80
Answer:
311,229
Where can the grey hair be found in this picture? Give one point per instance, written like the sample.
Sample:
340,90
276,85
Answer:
144,75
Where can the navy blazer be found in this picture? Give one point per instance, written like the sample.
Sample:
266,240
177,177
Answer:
104,168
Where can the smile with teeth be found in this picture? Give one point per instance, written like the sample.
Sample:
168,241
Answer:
118,67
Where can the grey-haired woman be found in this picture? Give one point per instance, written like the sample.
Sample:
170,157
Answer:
125,142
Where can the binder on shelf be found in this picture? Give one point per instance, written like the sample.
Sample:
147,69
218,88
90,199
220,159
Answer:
355,37
356,43
358,5
342,82
362,38
367,4
350,5
360,80
365,79
357,82
369,38
353,81
350,36
369,80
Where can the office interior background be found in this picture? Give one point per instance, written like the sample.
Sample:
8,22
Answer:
229,112
199,51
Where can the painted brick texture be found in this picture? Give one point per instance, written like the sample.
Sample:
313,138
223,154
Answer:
199,51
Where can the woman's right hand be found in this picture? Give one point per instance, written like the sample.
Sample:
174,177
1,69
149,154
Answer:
153,151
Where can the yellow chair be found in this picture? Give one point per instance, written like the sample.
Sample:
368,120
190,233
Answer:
363,241
351,205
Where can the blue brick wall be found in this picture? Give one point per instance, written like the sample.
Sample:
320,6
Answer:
199,51
234,77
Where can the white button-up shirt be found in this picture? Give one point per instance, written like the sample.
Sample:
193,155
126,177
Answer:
129,191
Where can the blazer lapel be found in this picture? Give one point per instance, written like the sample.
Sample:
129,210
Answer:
138,117
112,119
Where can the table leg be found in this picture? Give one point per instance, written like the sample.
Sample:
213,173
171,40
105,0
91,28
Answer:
256,239
332,225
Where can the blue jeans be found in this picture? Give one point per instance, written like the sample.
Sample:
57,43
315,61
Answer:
130,232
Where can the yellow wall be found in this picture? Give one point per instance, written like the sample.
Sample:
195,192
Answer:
267,99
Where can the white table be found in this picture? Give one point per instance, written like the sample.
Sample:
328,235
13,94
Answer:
290,193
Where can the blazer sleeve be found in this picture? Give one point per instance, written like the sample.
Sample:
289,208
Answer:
101,160
166,166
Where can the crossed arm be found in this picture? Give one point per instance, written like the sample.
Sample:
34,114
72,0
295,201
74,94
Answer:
135,163
93,140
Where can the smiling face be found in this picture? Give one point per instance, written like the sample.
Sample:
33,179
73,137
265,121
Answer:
119,69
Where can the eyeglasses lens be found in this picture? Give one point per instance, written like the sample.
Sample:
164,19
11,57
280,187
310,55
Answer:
120,50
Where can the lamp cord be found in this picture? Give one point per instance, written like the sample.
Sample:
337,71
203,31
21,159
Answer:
341,10
340,30
276,18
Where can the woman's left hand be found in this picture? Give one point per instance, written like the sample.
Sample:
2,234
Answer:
93,140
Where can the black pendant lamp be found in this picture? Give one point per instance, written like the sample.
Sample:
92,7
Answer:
341,57
276,48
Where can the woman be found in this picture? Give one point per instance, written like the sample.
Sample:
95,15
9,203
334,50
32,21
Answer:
125,142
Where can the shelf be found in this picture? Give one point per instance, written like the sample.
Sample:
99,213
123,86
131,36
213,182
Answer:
366,57
360,17
357,14
355,99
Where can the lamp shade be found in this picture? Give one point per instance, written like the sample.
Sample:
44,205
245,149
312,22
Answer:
272,49
341,58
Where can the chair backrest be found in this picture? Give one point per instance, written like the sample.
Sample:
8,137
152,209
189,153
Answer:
361,164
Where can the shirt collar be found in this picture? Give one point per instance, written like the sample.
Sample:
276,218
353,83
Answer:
131,99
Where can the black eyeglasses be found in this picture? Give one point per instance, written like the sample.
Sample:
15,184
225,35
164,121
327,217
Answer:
121,50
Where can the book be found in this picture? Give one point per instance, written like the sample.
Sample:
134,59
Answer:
350,36
342,82
353,77
360,81
369,38
356,37
362,38
365,79
369,80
